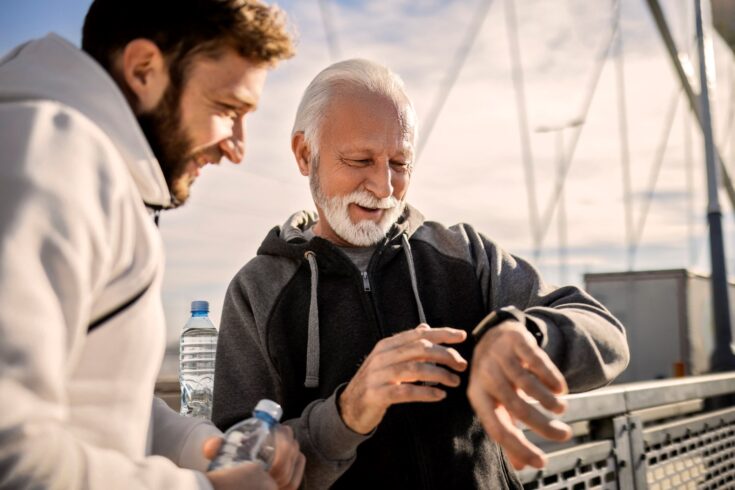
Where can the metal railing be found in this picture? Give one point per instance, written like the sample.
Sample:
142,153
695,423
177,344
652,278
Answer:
653,435
657,435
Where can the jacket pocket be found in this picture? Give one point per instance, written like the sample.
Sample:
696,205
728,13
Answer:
119,309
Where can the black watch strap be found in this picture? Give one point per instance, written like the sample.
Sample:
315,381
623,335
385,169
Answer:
500,315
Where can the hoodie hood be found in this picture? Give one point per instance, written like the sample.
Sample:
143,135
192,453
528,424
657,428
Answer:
289,241
52,68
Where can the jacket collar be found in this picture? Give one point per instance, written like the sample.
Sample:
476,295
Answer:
54,69
321,255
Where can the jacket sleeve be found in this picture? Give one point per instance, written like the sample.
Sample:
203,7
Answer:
52,258
180,438
245,374
585,341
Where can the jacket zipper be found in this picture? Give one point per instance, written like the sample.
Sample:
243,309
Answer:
420,463
420,456
370,299
122,307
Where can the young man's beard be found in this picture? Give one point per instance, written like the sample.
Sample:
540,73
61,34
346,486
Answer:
169,142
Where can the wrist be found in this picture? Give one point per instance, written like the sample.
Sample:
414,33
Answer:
345,411
507,313
496,317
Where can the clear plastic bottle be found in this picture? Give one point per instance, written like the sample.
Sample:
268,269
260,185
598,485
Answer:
251,439
197,350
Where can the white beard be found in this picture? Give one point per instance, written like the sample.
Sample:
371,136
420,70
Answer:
336,211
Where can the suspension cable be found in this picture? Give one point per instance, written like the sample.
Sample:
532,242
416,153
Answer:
526,151
478,19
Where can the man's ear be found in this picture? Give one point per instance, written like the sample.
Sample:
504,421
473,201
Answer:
302,152
144,70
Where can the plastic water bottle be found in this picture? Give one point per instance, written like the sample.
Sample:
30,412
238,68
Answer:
197,349
251,439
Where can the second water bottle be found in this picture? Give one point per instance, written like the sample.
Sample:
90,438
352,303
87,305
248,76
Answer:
251,439
197,349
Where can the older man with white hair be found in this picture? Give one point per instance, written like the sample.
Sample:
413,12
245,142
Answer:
356,318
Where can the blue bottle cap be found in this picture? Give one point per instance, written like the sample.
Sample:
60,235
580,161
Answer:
200,306
269,407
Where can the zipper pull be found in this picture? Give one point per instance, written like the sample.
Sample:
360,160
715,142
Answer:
365,281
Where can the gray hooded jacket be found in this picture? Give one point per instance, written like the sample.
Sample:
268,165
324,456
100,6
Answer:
300,317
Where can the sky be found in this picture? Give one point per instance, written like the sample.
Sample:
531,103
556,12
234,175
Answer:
471,167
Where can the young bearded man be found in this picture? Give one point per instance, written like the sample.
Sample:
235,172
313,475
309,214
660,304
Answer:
95,142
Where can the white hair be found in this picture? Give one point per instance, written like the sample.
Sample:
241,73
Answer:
344,75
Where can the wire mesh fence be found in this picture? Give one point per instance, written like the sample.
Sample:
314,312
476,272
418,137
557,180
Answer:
693,454
594,466
651,435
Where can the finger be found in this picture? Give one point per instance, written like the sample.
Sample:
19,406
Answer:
423,350
531,385
211,447
507,395
498,425
407,392
412,371
542,366
287,449
444,335
298,473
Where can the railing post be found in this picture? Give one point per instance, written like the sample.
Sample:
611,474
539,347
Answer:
637,453
623,454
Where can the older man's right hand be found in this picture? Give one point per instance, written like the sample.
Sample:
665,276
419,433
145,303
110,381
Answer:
389,375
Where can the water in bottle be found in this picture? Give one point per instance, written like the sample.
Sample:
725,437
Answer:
197,348
251,439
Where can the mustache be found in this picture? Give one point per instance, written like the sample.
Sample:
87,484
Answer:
368,200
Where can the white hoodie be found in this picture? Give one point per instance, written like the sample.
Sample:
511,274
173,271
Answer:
77,245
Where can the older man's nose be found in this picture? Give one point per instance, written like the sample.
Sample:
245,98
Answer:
379,182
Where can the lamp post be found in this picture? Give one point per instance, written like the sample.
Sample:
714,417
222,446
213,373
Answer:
723,358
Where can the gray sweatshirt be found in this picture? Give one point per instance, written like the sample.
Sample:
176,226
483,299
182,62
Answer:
300,317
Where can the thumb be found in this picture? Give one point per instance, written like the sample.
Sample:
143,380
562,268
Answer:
211,446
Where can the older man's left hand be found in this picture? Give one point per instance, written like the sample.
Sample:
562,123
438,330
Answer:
507,364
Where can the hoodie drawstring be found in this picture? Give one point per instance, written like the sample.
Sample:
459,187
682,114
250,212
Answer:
414,282
312,343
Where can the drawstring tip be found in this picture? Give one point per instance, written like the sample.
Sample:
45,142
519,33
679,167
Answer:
311,382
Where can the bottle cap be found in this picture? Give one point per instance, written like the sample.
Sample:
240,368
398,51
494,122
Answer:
200,306
270,407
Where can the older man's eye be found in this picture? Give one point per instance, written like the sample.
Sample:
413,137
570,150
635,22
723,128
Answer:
400,166
359,162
